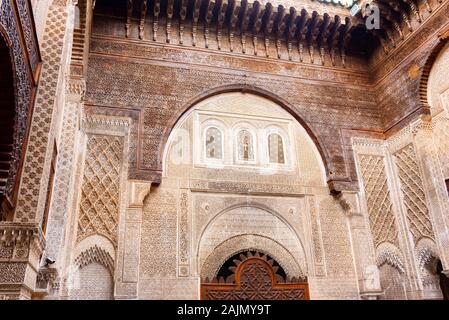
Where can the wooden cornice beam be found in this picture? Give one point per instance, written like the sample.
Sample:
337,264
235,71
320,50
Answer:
156,12
220,20
207,20
399,9
281,23
302,32
248,10
271,14
195,18
182,18
428,6
344,38
234,18
313,29
414,9
332,39
259,12
258,22
143,14
391,17
292,27
323,35
293,24
170,12
129,13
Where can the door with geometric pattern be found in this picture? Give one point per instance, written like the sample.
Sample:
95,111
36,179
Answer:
254,277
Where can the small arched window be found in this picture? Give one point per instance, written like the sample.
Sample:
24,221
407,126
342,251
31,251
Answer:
214,143
276,148
245,146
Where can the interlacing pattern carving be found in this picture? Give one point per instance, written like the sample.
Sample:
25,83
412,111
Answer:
380,208
31,195
100,193
413,190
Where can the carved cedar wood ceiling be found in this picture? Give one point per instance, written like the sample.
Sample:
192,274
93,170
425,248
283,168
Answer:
307,25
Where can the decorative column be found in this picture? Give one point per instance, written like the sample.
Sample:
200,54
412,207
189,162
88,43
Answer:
127,272
362,247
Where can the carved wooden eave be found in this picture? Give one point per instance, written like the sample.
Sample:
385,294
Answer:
286,27
399,18
323,28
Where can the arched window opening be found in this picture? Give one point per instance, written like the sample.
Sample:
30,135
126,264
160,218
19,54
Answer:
214,143
276,148
245,146
7,120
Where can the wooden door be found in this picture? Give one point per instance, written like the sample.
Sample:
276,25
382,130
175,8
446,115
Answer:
254,278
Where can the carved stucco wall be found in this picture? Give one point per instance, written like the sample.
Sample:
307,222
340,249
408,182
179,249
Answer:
399,174
95,283
253,221
380,209
96,222
340,281
200,215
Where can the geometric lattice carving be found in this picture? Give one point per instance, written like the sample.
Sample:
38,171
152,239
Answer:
380,208
413,191
99,206
95,254
31,196
254,277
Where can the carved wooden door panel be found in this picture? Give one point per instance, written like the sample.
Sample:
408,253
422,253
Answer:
254,279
